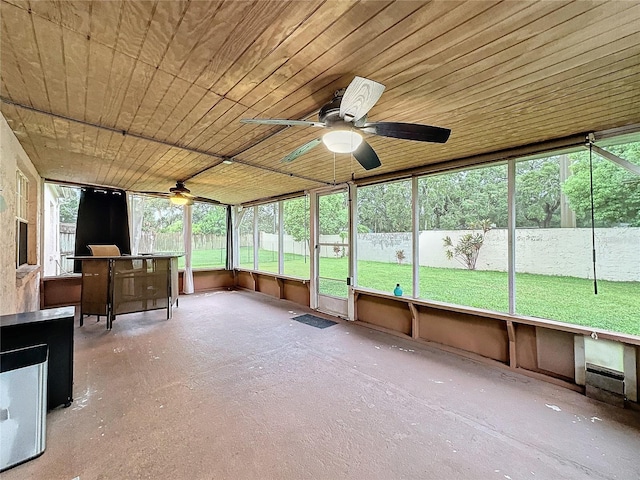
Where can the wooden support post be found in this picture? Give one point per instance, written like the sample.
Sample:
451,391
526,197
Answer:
280,287
415,324
355,305
511,331
255,281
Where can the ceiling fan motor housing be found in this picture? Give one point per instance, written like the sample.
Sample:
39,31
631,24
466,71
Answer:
179,188
330,112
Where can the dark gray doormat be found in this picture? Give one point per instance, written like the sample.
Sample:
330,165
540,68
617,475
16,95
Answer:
314,321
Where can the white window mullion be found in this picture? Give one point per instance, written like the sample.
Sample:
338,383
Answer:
280,238
511,237
255,238
415,236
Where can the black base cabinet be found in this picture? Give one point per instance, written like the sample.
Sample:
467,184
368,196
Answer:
53,327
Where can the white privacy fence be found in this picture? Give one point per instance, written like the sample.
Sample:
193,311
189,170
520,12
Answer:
551,251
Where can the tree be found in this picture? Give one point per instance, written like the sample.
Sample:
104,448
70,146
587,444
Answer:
209,219
160,215
467,248
68,203
334,214
460,199
296,218
616,191
538,192
385,208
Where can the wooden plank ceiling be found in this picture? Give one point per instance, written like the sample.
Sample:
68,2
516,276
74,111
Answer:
183,73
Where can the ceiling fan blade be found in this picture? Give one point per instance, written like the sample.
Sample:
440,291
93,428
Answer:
408,131
361,95
301,150
366,156
207,200
282,121
154,194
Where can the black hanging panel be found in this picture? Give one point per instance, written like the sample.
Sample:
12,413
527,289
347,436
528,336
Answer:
229,263
103,219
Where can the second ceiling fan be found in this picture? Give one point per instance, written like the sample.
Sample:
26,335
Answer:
346,115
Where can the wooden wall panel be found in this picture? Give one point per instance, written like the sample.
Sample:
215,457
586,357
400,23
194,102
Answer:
204,280
267,284
384,313
526,351
555,352
244,280
297,292
60,291
482,336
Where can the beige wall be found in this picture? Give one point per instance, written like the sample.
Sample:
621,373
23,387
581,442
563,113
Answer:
18,288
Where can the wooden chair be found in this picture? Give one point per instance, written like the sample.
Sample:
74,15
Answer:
95,282
104,250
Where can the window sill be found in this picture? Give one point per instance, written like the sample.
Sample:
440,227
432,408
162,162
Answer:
25,273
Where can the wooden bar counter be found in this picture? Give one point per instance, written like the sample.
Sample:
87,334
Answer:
116,285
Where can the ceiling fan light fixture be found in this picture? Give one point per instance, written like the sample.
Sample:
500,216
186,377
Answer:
179,199
342,141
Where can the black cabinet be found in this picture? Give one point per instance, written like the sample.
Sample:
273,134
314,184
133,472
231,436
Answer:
53,327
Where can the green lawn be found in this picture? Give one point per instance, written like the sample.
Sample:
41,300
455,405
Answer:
567,299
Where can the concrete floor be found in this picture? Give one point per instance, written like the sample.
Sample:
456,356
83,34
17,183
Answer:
232,388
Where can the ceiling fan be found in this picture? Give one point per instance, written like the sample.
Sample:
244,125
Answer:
181,195
346,115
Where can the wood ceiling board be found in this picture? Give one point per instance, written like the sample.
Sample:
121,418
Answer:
15,122
163,166
76,53
196,22
102,143
105,22
617,65
299,85
17,31
193,106
305,33
49,41
121,156
196,121
164,24
529,61
228,123
47,10
447,45
440,57
119,77
191,137
14,86
100,58
76,15
158,87
587,95
280,29
271,151
110,153
149,156
463,71
230,183
90,140
140,79
166,106
127,163
375,48
134,24
502,90
256,19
